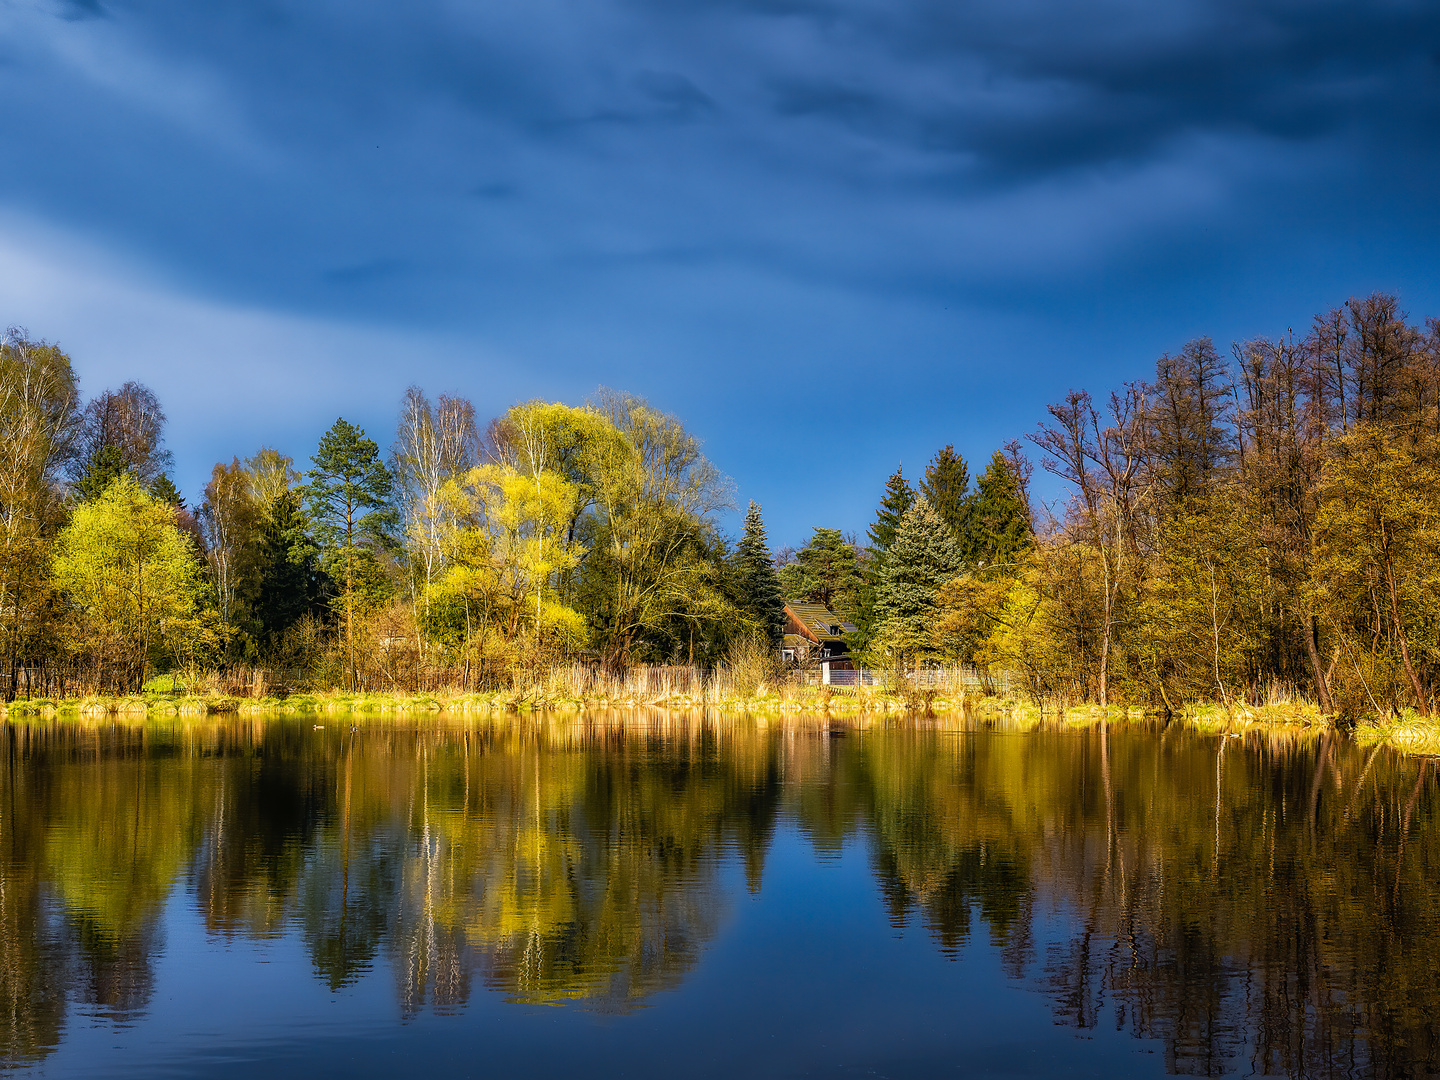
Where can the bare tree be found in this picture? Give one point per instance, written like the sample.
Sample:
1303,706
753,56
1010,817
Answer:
131,421
433,445
1102,461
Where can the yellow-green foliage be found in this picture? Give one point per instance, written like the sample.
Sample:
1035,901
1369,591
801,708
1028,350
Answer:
134,581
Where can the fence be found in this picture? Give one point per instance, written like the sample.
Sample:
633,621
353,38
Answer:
964,678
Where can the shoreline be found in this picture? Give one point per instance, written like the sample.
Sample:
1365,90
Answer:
1410,734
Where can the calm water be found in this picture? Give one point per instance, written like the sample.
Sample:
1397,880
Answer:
598,898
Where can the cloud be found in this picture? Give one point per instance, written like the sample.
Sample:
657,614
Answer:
646,192
274,149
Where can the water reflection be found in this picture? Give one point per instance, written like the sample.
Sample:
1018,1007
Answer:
1265,904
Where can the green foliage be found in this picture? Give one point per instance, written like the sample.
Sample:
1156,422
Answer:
756,585
288,581
826,571
105,466
135,584
998,529
924,556
348,494
37,433
348,498
163,489
947,488
897,499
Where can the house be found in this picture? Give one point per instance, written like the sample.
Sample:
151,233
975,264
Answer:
813,636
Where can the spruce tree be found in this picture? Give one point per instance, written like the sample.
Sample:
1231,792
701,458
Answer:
897,500
106,464
924,556
947,488
898,497
163,490
757,585
1000,528
289,583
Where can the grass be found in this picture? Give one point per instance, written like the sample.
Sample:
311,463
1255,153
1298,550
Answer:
577,690
144,704
1408,731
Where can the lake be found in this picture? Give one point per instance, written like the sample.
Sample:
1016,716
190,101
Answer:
645,895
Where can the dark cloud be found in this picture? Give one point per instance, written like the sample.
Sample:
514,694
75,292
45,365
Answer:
637,191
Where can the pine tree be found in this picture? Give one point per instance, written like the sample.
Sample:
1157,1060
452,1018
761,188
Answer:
825,571
1000,526
897,500
947,488
924,556
349,502
757,585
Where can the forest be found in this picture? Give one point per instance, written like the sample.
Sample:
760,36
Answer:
1248,525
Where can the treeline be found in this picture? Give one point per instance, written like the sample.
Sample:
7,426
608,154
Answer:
1243,527
468,554
1247,527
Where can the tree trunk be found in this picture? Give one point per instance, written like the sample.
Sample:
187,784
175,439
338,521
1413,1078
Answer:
1310,629
1105,635
1422,702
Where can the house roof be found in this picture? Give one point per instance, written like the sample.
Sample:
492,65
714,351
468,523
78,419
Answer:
818,621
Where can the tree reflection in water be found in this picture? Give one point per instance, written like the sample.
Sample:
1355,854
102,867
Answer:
1264,904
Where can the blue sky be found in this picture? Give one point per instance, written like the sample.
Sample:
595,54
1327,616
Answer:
831,235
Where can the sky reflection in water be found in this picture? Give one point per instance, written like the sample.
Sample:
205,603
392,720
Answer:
717,899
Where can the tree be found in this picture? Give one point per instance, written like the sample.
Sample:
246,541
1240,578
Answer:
37,436
999,517
135,584
289,583
503,560
104,465
434,444
130,421
1103,461
163,489
825,571
947,488
348,497
1378,554
757,586
650,560
897,499
230,517
924,556
1192,437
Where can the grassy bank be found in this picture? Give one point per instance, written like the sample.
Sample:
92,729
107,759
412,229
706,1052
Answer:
1409,731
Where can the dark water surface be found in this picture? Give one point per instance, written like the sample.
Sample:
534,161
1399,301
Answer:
623,896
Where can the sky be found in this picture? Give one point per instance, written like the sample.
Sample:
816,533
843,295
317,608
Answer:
831,236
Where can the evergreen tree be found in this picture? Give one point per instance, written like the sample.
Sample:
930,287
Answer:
1000,528
348,498
947,488
826,571
757,585
106,464
289,582
897,500
924,556
163,490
